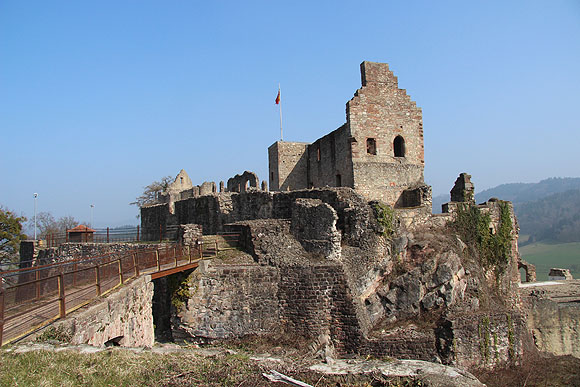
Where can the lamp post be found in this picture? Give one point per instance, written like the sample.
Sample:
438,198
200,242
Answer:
35,196
92,206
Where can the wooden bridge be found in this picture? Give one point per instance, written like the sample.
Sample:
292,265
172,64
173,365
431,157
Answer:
34,297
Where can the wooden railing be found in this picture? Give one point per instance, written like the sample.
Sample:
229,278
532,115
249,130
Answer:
34,297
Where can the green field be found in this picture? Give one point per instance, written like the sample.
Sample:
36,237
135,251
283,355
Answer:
546,256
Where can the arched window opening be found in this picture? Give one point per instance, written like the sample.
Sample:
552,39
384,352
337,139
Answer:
371,146
523,275
399,146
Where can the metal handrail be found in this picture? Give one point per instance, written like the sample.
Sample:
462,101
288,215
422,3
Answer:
59,280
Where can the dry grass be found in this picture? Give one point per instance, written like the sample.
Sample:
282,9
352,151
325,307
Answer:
539,370
119,367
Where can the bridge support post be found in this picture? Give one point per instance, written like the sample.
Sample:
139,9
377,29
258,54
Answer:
189,253
136,265
98,280
157,258
37,284
120,272
61,301
175,255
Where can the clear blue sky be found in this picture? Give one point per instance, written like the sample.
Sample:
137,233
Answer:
99,98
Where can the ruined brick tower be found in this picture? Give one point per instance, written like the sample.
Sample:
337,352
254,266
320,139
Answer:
378,152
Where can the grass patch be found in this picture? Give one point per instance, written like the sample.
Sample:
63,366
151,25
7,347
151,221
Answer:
546,256
120,367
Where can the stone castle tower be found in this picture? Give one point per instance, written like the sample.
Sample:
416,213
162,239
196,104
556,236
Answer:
378,151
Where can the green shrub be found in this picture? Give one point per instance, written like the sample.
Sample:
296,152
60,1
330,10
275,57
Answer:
385,216
472,226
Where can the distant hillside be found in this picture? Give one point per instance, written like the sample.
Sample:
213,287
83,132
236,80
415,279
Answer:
526,192
519,192
554,218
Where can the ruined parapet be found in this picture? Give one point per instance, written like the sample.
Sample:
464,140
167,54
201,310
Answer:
243,182
463,189
314,226
264,186
190,234
462,192
207,188
181,183
420,196
529,269
557,274
222,186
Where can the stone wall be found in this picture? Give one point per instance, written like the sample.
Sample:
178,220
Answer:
314,225
315,300
212,212
329,161
231,301
71,250
244,182
154,221
124,317
555,325
486,340
288,166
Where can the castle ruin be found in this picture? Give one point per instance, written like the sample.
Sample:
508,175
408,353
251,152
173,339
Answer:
378,152
345,251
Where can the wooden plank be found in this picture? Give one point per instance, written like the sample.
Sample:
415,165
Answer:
164,273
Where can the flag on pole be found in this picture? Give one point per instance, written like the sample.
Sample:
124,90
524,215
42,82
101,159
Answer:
278,97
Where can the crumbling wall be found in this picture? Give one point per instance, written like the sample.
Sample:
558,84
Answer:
314,226
243,182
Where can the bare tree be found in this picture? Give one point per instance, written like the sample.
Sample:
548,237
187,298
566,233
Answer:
152,191
47,224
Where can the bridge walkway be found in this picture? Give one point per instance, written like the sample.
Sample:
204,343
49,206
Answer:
37,296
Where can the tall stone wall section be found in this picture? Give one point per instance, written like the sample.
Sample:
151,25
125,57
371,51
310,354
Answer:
288,166
380,111
329,160
231,301
315,301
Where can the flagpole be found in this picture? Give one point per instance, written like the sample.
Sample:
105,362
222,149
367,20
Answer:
281,133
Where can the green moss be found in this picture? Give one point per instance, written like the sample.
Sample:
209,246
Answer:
52,333
511,351
179,289
473,226
385,216
484,338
